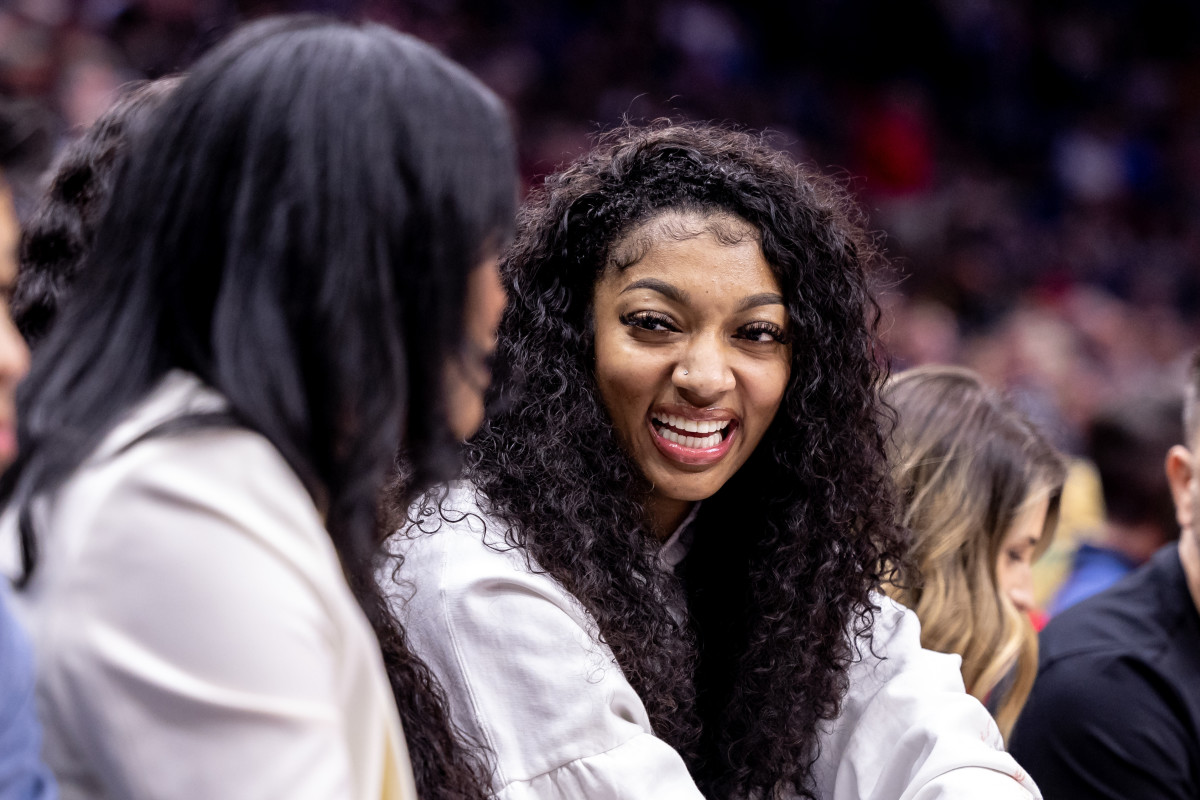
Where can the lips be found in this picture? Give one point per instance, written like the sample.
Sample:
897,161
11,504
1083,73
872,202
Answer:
693,439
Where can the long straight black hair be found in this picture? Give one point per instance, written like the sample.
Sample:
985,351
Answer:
295,227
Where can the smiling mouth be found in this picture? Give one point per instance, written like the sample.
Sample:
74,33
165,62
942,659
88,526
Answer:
692,443
690,433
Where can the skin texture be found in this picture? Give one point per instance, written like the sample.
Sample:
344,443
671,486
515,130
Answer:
14,356
695,328
468,376
1018,551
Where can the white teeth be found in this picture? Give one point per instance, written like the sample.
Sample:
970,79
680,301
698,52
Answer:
694,442
693,426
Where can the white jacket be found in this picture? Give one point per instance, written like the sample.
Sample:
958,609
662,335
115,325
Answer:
194,634
519,659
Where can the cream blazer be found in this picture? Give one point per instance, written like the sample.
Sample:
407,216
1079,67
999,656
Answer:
524,671
194,634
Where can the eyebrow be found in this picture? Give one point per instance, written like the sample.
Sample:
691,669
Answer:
679,296
662,287
763,299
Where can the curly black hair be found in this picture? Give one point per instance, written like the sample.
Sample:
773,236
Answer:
787,554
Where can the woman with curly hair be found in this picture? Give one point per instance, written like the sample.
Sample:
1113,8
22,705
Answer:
660,577
980,490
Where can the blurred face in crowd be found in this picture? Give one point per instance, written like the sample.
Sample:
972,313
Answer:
14,356
692,353
468,376
1014,563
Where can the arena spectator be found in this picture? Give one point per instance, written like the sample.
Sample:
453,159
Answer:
980,490
23,776
295,275
1115,710
1125,442
662,576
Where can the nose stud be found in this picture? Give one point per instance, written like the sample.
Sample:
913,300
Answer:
685,372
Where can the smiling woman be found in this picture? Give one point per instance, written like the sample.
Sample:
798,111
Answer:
660,578
691,355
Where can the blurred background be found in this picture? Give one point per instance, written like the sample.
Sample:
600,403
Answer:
1033,165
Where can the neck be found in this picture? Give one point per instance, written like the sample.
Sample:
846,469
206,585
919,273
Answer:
1189,556
1138,541
665,515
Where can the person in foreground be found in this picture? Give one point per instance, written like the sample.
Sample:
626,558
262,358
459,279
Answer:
23,776
1115,710
278,296
980,490
660,578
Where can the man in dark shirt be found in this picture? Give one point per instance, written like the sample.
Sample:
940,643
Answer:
1115,710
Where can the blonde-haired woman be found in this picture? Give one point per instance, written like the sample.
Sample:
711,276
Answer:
980,490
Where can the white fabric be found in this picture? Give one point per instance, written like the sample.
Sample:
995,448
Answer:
194,632
520,662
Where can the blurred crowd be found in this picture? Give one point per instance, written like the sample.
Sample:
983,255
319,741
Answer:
1035,166
292,266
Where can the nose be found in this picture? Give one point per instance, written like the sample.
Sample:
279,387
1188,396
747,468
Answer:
703,373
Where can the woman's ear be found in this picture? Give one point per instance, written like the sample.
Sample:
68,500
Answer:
1181,472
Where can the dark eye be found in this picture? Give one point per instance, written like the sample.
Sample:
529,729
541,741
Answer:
649,321
764,332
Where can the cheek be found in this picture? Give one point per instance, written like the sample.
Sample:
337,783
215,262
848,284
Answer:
1003,579
765,387
620,379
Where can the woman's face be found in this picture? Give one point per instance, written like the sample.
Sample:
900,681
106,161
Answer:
468,376
692,356
1014,565
14,356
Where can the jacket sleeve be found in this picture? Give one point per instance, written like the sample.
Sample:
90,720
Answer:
909,730
193,658
525,675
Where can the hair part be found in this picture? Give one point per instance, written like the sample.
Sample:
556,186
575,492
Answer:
966,463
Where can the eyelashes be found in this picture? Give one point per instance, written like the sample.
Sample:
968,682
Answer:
763,332
755,332
649,321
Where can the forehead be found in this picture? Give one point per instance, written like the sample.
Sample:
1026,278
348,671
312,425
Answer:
697,249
